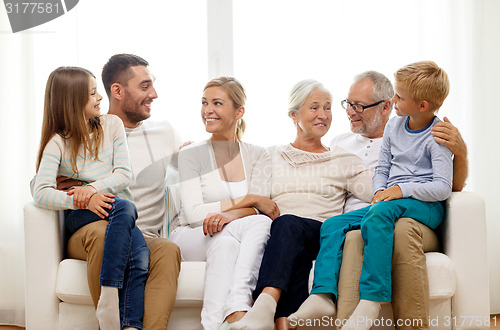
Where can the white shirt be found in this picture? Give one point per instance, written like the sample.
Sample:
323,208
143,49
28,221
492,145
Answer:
365,148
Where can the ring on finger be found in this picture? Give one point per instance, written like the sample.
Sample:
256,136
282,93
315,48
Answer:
216,220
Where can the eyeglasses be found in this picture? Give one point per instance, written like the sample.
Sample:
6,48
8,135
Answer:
358,107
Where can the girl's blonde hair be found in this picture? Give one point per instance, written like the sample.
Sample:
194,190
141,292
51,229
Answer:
66,94
236,93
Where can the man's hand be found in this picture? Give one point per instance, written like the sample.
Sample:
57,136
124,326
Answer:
388,194
99,202
64,183
81,196
214,222
448,135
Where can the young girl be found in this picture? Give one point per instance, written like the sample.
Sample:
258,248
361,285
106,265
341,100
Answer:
78,142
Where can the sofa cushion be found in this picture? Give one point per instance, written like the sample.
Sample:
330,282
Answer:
441,274
71,283
72,286
190,287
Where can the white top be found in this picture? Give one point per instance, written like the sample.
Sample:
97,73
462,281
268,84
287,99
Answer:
365,148
110,172
236,189
201,186
314,185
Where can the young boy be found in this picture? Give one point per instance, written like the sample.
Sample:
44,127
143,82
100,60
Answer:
412,179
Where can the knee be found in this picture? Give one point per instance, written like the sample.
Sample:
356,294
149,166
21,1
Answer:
354,241
407,236
126,206
287,223
381,214
163,252
96,233
263,222
127,211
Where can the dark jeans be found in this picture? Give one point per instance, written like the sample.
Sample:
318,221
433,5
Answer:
287,261
125,258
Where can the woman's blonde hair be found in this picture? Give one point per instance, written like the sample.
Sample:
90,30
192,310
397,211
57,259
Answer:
66,94
236,93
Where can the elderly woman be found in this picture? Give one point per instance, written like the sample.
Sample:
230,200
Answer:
224,186
309,184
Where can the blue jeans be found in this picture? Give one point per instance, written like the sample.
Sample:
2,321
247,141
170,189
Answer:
377,229
287,261
125,258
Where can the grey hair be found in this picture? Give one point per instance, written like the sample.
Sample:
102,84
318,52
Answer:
382,86
301,91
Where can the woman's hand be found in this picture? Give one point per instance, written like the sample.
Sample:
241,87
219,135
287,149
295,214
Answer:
388,194
99,202
81,195
214,222
267,206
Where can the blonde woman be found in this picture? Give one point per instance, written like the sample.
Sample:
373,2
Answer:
225,186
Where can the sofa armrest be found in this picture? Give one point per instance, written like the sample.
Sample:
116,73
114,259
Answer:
464,241
43,251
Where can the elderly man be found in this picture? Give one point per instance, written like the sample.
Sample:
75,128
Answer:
368,108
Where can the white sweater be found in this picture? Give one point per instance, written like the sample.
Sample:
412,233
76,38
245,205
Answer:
153,147
314,185
201,187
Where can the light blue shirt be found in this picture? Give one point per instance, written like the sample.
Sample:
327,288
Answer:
411,159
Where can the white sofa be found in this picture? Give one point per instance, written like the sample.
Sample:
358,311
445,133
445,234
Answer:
57,295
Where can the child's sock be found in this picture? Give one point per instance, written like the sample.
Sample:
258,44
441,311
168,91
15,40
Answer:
314,307
363,316
260,316
108,309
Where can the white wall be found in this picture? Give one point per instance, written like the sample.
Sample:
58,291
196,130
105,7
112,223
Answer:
484,148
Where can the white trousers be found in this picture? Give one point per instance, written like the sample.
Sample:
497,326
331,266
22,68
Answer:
233,258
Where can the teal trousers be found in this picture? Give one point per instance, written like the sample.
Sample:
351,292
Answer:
377,229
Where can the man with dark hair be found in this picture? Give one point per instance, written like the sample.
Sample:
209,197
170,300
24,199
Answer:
153,147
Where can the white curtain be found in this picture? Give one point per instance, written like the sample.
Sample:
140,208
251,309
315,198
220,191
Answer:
275,44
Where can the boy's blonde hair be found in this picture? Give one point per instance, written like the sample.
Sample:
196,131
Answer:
424,81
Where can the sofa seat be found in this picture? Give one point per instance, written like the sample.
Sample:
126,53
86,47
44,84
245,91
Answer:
72,287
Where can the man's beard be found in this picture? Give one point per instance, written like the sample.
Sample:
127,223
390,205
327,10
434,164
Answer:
132,110
370,127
